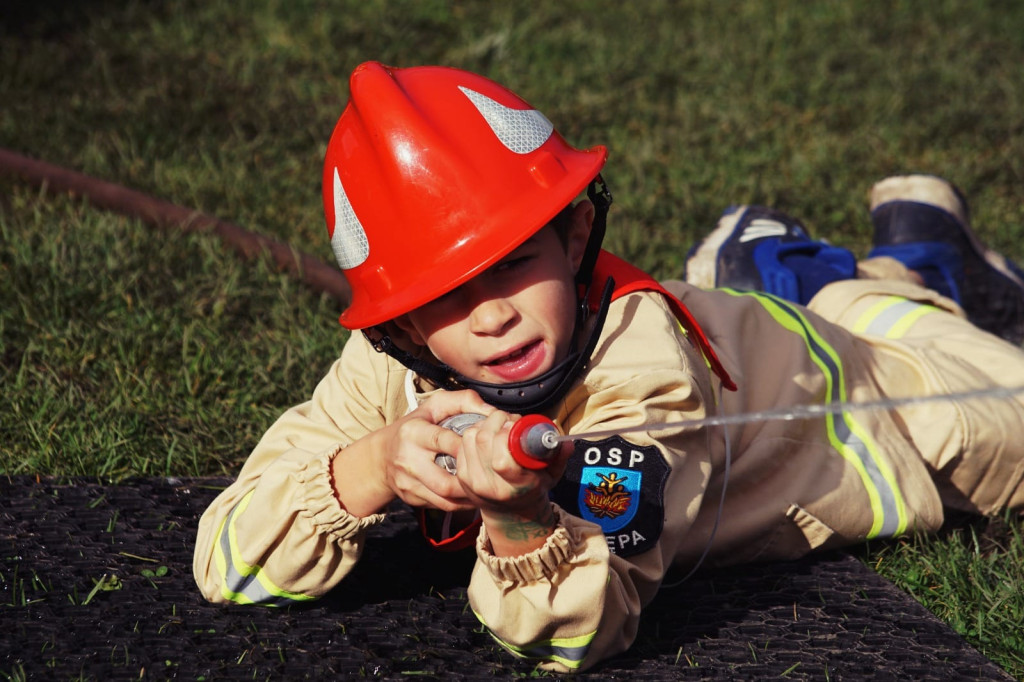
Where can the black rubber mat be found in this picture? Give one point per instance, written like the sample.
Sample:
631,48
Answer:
96,583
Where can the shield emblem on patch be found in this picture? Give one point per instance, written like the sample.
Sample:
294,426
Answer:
609,497
620,486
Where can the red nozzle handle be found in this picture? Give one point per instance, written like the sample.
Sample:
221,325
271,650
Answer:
525,441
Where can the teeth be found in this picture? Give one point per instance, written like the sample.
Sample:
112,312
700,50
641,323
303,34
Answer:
511,356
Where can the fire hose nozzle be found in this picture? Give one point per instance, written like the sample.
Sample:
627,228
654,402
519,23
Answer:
533,441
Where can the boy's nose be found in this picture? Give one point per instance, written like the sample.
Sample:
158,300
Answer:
492,316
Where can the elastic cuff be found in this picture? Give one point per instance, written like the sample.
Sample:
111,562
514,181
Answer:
542,563
322,505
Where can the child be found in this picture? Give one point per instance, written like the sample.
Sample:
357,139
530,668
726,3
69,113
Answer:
479,286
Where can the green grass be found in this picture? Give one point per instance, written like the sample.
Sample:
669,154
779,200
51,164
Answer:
125,351
970,576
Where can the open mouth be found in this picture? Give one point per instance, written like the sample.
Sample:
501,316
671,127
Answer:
520,364
514,355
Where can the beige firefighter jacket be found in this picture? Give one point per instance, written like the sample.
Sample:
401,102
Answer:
278,534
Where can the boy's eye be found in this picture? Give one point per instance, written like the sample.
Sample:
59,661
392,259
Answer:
446,296
512,263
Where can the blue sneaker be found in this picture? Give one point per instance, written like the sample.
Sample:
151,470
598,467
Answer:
755,248
923,222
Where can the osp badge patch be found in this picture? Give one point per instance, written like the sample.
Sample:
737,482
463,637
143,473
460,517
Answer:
620,487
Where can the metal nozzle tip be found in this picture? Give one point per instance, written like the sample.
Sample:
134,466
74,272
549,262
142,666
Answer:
549,439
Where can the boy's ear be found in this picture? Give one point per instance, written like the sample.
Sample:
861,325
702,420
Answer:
579,233
403,328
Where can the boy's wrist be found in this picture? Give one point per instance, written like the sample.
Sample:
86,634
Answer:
357,479
519,531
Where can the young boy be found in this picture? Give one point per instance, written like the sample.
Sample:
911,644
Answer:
480,287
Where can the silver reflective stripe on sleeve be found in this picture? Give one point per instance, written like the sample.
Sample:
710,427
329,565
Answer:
569,651
240,582
891,317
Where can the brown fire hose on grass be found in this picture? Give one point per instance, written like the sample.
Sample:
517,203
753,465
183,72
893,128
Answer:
313,272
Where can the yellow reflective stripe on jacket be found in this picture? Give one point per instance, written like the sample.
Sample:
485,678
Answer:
569,651
846,435
241,582
891,317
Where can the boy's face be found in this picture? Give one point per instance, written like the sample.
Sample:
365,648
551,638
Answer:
514,321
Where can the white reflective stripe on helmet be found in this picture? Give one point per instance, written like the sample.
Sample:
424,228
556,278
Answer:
521,130
348,239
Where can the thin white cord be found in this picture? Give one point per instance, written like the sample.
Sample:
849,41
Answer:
798,412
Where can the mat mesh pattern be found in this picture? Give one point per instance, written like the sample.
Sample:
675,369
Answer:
403,612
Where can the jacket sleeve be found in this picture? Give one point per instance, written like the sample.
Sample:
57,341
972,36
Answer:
574,602
278,534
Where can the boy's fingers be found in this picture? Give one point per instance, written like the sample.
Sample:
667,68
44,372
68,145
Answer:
443,490
426,435
449,403
441,440
470,401
500,420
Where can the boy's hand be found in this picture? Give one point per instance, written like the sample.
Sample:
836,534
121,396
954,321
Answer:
409,446
513,501
398,460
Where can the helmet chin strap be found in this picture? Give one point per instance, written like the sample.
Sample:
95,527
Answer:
539,393
601,198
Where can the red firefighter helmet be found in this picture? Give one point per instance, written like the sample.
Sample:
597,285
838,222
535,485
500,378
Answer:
432,175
